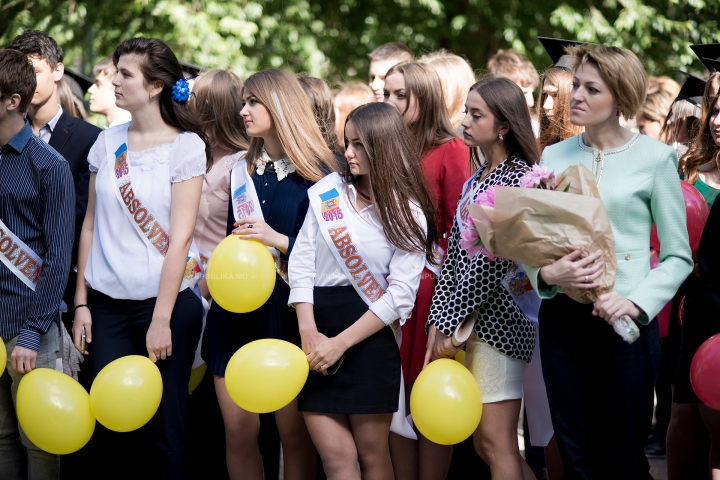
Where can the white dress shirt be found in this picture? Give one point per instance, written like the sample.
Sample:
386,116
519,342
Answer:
312,263
121,264
47,130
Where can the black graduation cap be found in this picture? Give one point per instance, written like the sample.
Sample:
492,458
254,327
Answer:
709,51
692,90
712,65
190,70
555,47
79,83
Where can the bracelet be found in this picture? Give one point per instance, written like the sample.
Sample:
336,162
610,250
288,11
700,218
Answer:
80,306
456,345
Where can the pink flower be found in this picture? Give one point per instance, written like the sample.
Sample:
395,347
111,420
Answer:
470,239
539,177
487,198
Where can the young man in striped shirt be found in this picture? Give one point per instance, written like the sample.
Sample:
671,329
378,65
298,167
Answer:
37,223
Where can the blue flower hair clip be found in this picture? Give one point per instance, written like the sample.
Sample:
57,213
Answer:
181,91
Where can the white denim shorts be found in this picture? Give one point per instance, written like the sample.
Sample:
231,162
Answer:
499,376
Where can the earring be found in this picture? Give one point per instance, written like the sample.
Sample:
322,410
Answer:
500,136
619,112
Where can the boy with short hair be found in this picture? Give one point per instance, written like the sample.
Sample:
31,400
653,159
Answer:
515,66
381,60
102,94
71,137
36,235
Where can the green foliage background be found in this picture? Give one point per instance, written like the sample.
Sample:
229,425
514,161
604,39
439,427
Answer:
331,38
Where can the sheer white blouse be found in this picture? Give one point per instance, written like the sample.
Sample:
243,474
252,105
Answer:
121,264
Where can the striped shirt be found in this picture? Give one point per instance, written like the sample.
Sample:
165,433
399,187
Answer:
37,203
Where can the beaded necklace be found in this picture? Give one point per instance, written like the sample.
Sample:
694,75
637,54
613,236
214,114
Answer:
599,163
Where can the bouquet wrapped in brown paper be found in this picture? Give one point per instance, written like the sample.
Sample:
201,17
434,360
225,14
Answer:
537,226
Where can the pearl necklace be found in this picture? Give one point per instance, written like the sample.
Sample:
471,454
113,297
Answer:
600,156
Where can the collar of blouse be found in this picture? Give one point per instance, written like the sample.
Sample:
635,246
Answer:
282,167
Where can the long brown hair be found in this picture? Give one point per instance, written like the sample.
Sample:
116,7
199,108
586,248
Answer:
321,99
560,128
702,147
395,178
217,103
300,137
507,103
432,127
159,63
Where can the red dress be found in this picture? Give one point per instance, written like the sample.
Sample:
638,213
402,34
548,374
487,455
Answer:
445,168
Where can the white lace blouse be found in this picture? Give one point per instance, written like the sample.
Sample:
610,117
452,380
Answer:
121,264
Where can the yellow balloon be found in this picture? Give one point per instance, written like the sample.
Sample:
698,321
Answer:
126,393
240,274
196,376
460,357
3,357
54,411
266,375
445,402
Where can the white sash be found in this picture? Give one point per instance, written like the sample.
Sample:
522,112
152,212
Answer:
245,204
334,217
466,197
328,202
138,210
19,258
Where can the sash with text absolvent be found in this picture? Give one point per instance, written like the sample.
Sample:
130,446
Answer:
245,204
466,197
334,217
138,210
328,202
19,258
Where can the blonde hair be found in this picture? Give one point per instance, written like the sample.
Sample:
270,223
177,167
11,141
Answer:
217,104
515,66
621,70
664,84
300,137
351,96
656,106
456,77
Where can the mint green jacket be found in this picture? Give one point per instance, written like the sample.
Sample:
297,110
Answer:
639,186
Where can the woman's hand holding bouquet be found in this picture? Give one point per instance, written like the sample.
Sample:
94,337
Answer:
559,224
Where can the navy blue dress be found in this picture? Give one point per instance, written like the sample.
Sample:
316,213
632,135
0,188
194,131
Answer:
284,205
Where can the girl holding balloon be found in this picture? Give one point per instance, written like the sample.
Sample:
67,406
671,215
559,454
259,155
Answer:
354,272
268,201
470,289
416,91
138,265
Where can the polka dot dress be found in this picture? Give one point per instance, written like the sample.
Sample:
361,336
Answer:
466,284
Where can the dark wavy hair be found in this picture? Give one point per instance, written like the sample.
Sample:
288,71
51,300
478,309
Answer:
395,178
158,63
507,103
702,147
